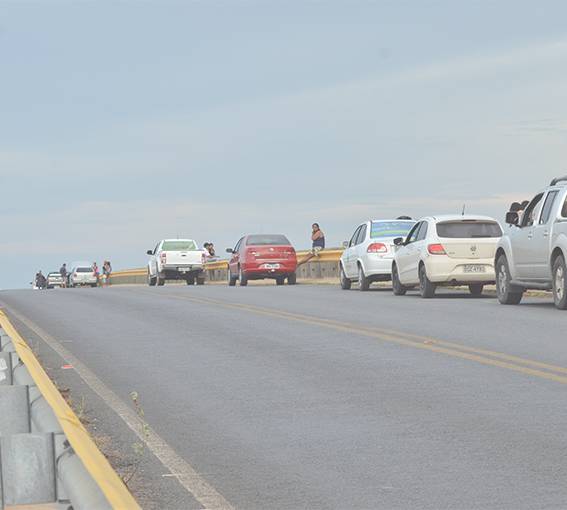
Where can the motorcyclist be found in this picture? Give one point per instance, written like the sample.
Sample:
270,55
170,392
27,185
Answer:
40,281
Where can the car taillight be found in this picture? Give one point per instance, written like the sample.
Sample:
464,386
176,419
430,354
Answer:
163,257
377,248
436,249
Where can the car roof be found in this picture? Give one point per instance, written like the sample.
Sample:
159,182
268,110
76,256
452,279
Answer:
392,219
170,240
459,217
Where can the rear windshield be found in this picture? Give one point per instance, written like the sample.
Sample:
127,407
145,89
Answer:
468,229
84,270
263,240
179,246
54,274
390,228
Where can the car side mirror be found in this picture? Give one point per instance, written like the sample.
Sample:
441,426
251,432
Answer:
512,218
150,252
345,244
230,250
399,241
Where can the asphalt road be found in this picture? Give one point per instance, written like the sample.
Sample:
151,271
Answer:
313,397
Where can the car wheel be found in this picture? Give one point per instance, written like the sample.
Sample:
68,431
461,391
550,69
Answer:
426,287
280,280
200,280
243,279
160,281
231,279
363,281
507,295
476,289
190,280
560,283
292,279
397,287
345,282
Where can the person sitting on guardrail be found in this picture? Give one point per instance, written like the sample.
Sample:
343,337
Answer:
317,243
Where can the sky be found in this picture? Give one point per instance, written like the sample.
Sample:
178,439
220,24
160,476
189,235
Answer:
126,122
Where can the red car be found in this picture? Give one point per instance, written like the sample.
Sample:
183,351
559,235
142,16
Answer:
260,256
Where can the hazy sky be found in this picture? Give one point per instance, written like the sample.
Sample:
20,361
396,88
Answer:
125,122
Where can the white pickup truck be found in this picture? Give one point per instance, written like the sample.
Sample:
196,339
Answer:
532,253
176,259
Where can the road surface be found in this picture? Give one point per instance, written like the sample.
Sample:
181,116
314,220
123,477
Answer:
313,397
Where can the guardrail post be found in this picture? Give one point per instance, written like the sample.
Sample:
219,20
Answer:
5,368
16,400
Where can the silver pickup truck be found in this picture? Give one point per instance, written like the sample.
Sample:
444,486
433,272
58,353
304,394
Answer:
176,259
532,253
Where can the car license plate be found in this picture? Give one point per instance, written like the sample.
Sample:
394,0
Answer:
272,266
474,268
183,269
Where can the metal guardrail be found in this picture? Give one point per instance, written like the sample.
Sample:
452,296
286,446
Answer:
331,255
46,454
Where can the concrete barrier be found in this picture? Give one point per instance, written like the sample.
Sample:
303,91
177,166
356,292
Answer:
325,266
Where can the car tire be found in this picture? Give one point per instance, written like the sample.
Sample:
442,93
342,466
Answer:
160,281
560,283
280,280
200,280
426,287
346,283
292,279
363,280
242,278
476,289
151,280
507,295
397,287
190,280
231,279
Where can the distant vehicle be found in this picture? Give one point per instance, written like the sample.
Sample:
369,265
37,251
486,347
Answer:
368,255
54,279
82,275
446,250
176,259
532,253
260,256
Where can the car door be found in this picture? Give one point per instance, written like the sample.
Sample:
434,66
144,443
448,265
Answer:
539,247
420,248
521,239
235,258
360,248
153,261
405,254
350,266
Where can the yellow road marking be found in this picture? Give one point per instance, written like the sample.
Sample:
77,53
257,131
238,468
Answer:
482,356
94,461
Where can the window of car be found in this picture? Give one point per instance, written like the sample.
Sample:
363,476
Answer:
422,234
354,236
265,240
179,245
531,212
83,270
468,229
380,229
564,210
412,236
237,247
361,234
547,207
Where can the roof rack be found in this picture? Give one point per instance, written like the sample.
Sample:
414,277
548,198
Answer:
557,180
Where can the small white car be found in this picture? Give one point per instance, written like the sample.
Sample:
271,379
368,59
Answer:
176,259
54,279
82,275
446,250
368,255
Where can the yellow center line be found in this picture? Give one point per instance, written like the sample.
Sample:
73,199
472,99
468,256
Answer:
482,356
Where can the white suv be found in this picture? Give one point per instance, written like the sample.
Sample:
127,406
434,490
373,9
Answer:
533,251
176,259
368,255
446,250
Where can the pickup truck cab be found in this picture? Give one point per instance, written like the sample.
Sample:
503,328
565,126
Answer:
176,259
532,253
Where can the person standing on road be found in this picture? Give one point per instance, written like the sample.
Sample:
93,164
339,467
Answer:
63,273
106,271
96,273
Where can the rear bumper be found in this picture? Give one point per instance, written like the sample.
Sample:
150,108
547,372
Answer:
443,269
375,265
269,268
